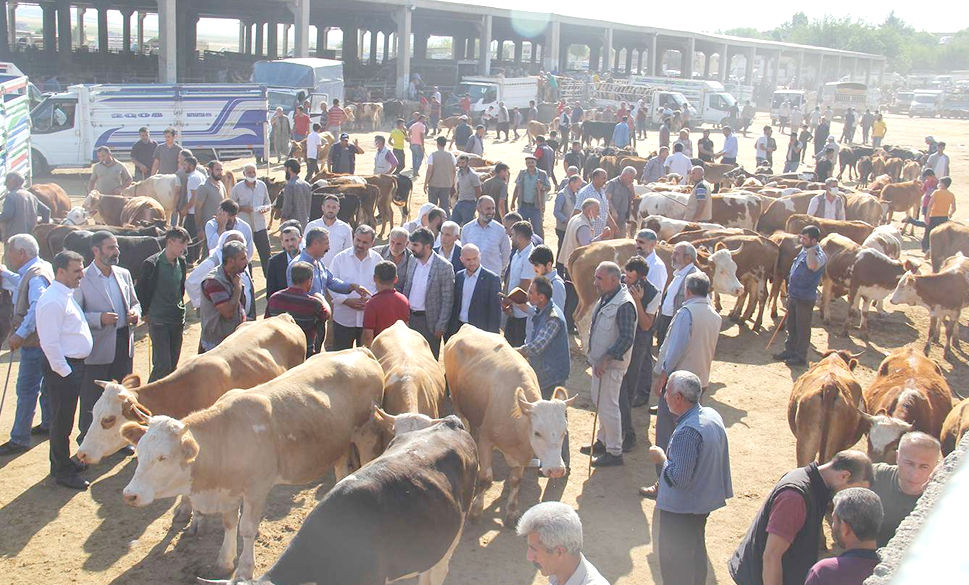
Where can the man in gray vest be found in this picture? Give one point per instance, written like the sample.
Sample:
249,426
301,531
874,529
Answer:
689,346
29,278
696,481
20,209
611,339
439,182
222,309
828,205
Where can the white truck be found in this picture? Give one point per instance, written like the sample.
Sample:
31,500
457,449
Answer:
711,103
293,81
213,120
487,92
796,97
14,127
926,102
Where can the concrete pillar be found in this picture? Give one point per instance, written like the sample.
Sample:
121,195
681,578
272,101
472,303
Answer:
260,38
653,56
837,75
800,70
607,64
870,64
5,29
777,69
724,63
820,80
167,64
126,30
81,33
686,59
706,63
320,40
749,66
11,25
373,47
102,29
552,47
141,32
272,39
351,48
386,46
247,49
484,56
285,50
519,49
595,51
242,37
301,28
49,28
458,45
629,60
403,19
64,32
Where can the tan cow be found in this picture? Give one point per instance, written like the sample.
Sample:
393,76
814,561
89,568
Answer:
756,259
856,231
864,207
905,197
139,209
387,186
164,189
893,168
533,129
371,113
910,170
496,391
109,207
449,124
886,239
289,431
824,408
955,425
944,294
777,211
946,241
54,197
909,393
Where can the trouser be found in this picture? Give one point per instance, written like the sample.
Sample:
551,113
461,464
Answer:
665,423
605,394
418,322
933,223
63,394
197,252
399,155
571,303
682,548
662,326
798,327
434,123
547,392
515,330
533,214
463,212
560,236
876,141
632,382
641,128
116,371
166,348
343,336
864,134
727,160
312,168
261,240
746,124
790,166
418,154
440,196
502,127
30,383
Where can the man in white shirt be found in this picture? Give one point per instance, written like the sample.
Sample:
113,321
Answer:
764,147
341,234
553,531
683,261
66,340
678,163
313,143
646,247
226,219
596,190
354,264
429,289
489,236
520,275
828,205
193,180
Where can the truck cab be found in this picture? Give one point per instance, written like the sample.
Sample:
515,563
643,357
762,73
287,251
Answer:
292,81
55,133
488,92
926,103
796,97
901,102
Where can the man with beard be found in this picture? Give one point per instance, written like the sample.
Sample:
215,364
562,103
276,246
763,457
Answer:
340,232
429,289
107,297
489,236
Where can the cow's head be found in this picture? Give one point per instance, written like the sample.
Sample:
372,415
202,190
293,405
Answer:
76,216
884,433
724,271
405,422
116,406
547,428
906,292
166,452
90,202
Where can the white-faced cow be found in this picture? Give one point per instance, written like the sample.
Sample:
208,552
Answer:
944,294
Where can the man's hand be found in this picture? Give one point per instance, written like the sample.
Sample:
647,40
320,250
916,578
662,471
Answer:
236,279
355,304
656,455
361,290
606,233
636,292
108,319
15,342
245,208
221,219
132,317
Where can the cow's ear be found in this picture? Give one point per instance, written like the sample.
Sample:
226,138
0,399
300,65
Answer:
719,246
563,395
524,404
384,421
852,364
131,409
131,381
190,449
133,432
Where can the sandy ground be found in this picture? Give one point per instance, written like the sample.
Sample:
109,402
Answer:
52,535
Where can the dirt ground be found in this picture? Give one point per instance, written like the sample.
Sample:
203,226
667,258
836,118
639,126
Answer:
49,534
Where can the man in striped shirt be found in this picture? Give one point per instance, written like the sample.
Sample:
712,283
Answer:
335,117
309,311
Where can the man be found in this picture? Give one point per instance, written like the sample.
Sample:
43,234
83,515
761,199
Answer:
165,158
107,296
684,139
547,345
575,157
728,155
530,188
815,118
699,206
497,188
30,278
804,138
387,306
503,121
938,161
435,111
664,132
611,337
384,161
520,275
678,164
931,145
397,251
398,138
281,133
580,230
821,134
465,104
143,153
782,542
564,204
565,127
313,143
476,291
66,340
793,157
867,120
416,134
290,239
657,275
858,513
194,178
554,534
683,262
301,124
108,176
223,306
620,134
297,196
830,204
309,311
461,133
225,219
545,156
161,290
252,196
747,116
802,292
942,206
784,114
848,130
475,144
317,245
440,182
654,168
354,264
343,155
878,130
638,380
705,147
620,194
489,236
208,199
764,147
335,117
429,289
450,249
696,481
596,190
900,486
340,233
543,264
21,208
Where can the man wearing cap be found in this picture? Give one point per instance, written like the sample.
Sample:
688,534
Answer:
619,192
828,205
462,132
343,155
802,292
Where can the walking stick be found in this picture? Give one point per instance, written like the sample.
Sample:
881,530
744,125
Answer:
7,383
595,419
149,354
777,330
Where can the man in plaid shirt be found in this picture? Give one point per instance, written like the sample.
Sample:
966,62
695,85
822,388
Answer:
309,311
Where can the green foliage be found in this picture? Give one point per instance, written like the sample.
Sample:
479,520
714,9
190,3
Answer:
905,48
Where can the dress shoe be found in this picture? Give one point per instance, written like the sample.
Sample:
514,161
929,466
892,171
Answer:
650,492
784,355
607,460
40,430
75,482
598,449
640,400
78,465
628,442
11,448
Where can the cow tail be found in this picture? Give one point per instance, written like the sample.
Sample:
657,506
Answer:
829,392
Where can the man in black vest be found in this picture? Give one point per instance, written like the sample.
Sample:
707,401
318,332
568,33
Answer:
782,542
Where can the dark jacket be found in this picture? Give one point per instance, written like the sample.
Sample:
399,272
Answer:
148,280
276,273
455,258
485,310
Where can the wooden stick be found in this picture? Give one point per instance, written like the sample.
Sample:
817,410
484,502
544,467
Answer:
595,419
777,330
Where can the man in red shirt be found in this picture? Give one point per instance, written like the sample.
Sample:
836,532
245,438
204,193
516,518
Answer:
301,124
335,118
466,105
387,306
858,514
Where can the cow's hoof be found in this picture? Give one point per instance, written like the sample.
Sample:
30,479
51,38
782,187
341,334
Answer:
757,328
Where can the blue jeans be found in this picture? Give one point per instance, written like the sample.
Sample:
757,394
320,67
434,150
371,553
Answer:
418,154
463,212
30,383
531,213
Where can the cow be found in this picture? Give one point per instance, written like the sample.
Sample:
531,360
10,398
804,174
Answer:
886,239
954,427
878,183
534,129
666,204
847,159
289,430
824,410
134,249
756,259
372,113
666,228
864,171
789,246
910,170
775,215
947,240
600,131
386,187
54,197
402,515
165,189
449,124
893,168
141,209
855,231
905,197
716,174
943,293
863,207
109,207
909,393
741,210
6,313
496,391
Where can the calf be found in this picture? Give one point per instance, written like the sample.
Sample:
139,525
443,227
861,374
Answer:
893,168
165,189
909,393
955,425
289,431
855,231
944,294
905,197
494,388
449,124
847,159
863,207
824,410
54,197
109,207
756,259
864,171
946,241
910,170
599,131
400,516
533,129
886,239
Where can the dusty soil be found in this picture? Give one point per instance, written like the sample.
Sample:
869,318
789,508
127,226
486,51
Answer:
52,535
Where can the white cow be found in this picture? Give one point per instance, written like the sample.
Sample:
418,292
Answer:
667,204
165,189
670,227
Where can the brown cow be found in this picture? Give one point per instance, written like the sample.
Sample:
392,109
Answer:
893,168
789,246
955,425
946,240
42,232
905,197
387,186
716,174
756,258
108,206
864,207
823,410
855,231
944,294
909,393
878,166
910,170
139,209
878,183
449,124
54,197
775,215
370,112
736,210
864,171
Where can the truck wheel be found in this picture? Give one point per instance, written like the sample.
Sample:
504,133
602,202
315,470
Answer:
38,164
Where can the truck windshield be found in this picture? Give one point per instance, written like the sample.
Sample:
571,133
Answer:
477,91
726,101
281,74
925,99
281,99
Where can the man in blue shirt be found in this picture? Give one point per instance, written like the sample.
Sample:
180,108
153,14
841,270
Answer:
730,147
802,292
620,134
